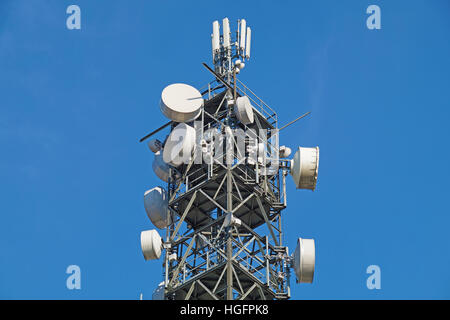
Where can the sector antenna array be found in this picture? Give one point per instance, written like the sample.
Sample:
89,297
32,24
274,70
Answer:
223,186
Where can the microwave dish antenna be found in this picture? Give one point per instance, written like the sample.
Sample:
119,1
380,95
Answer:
160,168
244,110
181,102
151,244
155,145
305,168
156,205
158,293
305,260
179,145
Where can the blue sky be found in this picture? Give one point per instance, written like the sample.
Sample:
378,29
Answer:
73,104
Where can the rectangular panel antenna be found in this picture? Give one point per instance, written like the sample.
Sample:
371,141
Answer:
242,43
226,33
212,49
215,37
247,46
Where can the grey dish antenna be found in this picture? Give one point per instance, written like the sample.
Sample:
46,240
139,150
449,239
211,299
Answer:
156,205
155,145
160,168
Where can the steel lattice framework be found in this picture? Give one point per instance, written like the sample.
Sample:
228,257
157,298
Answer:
224,237
214,258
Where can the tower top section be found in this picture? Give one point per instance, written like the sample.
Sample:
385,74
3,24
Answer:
228,52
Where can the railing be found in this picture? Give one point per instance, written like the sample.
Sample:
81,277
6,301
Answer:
242,89
264,108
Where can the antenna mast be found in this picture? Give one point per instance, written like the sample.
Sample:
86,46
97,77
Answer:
225,192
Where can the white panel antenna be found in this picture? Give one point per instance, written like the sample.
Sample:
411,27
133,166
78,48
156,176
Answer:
212,50
248,44
216,37
243,28
226,33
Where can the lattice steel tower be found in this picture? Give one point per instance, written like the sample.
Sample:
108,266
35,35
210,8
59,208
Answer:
226,188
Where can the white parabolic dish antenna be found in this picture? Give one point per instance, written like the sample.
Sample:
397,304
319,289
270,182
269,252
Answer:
179,145
158,293
304,260
156,203
160,168
151,244
181,102
244,110
285,152
305,168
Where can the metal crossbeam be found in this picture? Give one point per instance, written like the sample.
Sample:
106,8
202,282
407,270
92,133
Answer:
207,290
177,270
183,216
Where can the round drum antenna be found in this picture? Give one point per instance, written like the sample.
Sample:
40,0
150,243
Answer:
244,110
304,260
151,244
305,168
181,102
179,145
156,205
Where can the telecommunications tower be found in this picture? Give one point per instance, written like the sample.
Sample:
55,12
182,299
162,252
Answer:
225,187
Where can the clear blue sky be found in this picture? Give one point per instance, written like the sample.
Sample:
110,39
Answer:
73,104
